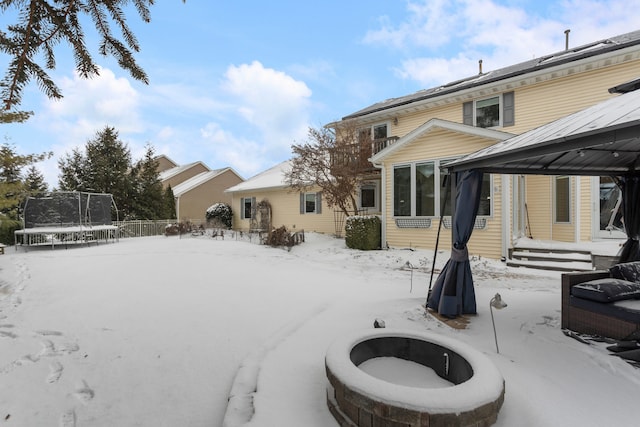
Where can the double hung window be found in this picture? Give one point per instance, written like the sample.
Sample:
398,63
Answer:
310,203
490,112
247,205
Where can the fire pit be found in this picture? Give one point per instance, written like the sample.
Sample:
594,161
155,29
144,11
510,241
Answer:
469,390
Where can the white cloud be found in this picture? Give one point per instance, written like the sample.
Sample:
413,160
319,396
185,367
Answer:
429,24
90,104
245,156
457,34
273,104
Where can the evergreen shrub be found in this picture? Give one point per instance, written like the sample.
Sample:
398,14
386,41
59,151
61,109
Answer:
363,232
220,215
7,228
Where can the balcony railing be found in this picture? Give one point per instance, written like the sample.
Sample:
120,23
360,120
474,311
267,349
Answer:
358,154
382,143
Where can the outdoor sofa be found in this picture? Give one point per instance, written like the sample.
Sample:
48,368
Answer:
603,302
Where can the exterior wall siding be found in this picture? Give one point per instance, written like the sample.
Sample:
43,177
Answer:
164,163
185,175
485,242
193,204
585,210
285,210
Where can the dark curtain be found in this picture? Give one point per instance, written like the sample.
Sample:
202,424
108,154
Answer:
453,293
630,185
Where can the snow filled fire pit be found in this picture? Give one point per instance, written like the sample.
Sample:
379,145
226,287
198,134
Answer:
406,378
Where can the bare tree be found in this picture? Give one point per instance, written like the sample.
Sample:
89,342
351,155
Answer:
334,160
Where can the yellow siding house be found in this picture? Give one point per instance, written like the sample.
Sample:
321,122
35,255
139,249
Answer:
265,201
413,136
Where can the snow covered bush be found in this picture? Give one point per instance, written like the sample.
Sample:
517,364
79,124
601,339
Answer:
220,215
363,232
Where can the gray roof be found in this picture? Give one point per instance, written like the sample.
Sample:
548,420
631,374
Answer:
566,56
601,140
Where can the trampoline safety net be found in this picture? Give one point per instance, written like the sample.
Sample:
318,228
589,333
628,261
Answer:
68,209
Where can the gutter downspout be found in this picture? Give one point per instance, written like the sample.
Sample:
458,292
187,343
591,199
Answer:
383,206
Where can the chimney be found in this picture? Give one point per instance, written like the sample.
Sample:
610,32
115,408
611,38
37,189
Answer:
480,66
566,39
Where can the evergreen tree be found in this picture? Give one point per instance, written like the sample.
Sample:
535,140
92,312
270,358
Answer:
104,167
34,182
149,196
12,187
73,168
42,25
169,203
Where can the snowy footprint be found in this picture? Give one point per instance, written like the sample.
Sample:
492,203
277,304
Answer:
7,334
84,393
68,419
55,372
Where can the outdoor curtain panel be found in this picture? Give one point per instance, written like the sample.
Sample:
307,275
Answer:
453,293
631,216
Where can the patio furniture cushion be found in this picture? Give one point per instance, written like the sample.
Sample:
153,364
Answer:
607,290
626,271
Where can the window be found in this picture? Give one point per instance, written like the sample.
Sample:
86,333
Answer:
247,207
375,132
402,191
562,199
490,112
419,180
425,189
380,131
310,203
369,196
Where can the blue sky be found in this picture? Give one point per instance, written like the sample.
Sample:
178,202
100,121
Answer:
235,83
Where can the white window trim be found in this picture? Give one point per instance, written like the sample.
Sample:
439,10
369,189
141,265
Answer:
376,195
315,203
242,215
437,190
500,110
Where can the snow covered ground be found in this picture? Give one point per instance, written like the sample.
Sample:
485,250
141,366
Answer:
152,332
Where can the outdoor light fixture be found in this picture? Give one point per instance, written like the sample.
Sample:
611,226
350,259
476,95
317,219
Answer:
497,303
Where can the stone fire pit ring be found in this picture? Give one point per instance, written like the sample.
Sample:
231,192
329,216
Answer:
356,398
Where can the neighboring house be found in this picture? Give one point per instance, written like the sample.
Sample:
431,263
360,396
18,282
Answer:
165,163
290,208
196,187
195,195
412,136
179,174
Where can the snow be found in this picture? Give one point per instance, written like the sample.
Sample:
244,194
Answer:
403,372
268,179
161,331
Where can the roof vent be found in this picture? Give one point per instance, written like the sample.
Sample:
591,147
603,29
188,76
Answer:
566,39
480,67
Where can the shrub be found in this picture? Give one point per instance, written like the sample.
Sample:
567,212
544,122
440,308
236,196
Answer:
220,215
363,232
7,228
279,237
